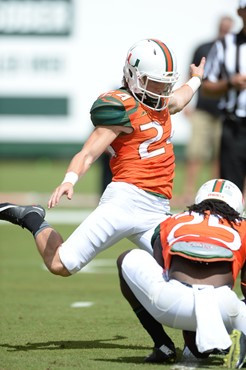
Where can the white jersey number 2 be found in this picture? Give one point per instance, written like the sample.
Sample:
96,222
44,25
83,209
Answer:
143,148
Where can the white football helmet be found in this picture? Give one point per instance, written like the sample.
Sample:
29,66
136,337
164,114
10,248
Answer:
224,190
151,60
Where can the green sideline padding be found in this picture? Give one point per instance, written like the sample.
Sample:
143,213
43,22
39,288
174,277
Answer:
34,106
53,150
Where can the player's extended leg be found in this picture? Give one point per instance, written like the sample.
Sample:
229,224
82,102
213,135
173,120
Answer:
164,349
48,241
46,238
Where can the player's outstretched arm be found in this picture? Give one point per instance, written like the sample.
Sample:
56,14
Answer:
96,144
183,95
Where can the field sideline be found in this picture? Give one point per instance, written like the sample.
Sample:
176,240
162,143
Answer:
54,323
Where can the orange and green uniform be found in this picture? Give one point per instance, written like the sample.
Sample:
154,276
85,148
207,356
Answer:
145,157
185,227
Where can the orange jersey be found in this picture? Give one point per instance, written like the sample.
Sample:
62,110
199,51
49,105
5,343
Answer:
194,227
145,157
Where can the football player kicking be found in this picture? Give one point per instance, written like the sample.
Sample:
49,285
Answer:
198,255
135,122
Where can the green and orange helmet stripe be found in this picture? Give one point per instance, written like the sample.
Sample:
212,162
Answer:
167,54
218,186
223,190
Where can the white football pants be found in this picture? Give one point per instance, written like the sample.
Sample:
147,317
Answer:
124,211
172,303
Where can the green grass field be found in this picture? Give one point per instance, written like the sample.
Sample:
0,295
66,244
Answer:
40,327
43,175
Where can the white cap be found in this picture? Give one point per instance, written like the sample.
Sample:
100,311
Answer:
223,190
242,4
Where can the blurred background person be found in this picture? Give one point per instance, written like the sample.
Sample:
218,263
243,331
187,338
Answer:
225,78
204,117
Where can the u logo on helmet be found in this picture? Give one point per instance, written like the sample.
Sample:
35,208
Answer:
137,63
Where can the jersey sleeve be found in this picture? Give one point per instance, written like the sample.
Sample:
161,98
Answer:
108,111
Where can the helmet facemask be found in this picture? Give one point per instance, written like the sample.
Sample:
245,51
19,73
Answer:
158,101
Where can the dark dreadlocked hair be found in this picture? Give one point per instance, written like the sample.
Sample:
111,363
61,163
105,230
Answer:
217,208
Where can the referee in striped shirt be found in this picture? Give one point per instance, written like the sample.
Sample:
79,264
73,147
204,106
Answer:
225,77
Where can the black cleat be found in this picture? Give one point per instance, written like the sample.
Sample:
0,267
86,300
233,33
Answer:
236,357
15,214
163,354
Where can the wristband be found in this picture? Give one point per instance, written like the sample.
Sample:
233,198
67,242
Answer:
196,75
194,83
71,177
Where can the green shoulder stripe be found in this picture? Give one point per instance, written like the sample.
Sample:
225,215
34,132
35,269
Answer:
107,111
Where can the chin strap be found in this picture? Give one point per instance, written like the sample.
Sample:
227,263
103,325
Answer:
151,102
